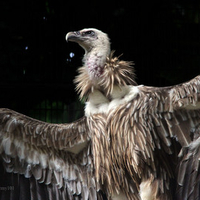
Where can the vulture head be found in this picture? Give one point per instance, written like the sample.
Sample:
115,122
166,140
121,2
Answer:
90,39
97,48
101,71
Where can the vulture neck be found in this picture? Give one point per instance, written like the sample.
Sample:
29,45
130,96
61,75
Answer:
95,60
104,73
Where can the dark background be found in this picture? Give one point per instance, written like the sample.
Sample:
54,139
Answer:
37,71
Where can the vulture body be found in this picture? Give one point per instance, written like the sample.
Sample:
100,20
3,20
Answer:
134,142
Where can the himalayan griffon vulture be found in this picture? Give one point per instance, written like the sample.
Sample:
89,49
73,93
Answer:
134,142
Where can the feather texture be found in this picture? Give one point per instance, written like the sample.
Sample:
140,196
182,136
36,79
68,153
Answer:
115,72
133,143
46,152
188,170
127,144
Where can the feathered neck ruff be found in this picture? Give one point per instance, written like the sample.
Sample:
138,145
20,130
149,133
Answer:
115,73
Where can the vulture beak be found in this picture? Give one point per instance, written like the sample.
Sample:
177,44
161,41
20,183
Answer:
73,36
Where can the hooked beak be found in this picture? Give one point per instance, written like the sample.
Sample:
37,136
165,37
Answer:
73,36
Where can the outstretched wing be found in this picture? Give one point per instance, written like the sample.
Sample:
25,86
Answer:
151,126
175,110
175,113
182,117
189,169
57,155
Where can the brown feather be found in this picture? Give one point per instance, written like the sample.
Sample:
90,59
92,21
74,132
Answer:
32,147
115,73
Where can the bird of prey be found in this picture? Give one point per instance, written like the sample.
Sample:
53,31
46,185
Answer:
134,142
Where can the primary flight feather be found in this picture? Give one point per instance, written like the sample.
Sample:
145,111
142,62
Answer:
134,142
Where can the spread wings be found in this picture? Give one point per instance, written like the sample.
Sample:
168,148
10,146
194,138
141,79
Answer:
175,109
179,117
57,155
60,155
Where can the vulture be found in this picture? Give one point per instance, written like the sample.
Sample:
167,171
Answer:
134,142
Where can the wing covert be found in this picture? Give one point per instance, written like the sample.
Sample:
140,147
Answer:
188,178
186,95
153,127
174,110
33,132
58,155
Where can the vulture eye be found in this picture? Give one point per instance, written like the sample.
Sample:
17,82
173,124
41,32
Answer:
89,33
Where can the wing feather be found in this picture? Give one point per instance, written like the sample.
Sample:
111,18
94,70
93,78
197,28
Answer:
186,95
189,171
156,123
57,155
175,114
37,133
177,111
